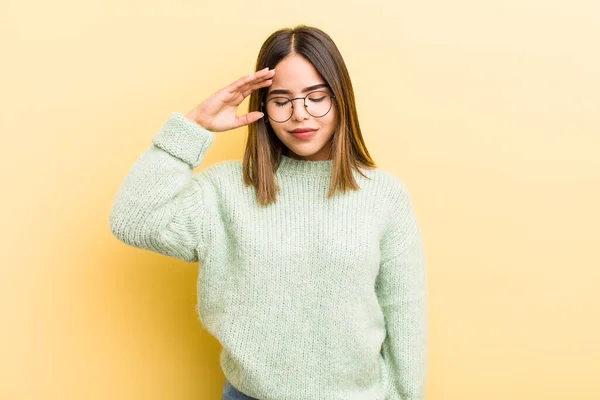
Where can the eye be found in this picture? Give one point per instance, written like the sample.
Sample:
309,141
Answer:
317,97
279,101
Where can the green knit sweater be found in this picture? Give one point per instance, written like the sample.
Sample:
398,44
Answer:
311,298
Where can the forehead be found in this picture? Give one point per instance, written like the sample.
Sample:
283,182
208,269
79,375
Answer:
294,73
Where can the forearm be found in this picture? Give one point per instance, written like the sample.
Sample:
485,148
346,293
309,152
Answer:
405,349
158,205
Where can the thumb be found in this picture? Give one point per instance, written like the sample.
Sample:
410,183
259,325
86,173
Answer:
249,118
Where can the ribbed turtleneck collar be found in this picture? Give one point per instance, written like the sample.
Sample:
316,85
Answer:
292,166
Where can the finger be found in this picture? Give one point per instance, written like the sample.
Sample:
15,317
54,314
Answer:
257,81
235,86
251,89
248,118
243,83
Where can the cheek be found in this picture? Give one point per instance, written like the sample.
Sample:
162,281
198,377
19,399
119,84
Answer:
332,119
280,132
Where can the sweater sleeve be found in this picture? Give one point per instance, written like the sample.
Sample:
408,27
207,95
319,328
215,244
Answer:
401,291
161,206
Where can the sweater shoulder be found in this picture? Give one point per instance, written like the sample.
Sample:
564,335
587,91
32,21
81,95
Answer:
220,171
387,182
396,200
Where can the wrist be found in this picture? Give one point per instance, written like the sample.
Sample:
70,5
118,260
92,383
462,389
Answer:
193,116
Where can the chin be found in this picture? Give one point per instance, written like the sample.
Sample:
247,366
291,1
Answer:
303,153
306,153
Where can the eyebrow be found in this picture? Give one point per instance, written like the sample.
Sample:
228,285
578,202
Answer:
305,90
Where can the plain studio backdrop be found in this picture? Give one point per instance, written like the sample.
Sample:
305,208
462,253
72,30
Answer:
488,111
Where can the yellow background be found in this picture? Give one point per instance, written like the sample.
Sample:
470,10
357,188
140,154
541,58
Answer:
489,111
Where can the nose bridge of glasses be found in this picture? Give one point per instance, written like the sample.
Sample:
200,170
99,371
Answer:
295,109
298,98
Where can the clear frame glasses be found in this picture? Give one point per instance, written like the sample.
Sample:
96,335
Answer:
281,109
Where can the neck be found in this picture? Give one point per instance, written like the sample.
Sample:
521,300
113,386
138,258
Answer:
293,166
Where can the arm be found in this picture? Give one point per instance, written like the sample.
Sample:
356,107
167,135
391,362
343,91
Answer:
161,205
401,291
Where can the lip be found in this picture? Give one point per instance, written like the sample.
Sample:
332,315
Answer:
303,130
303,133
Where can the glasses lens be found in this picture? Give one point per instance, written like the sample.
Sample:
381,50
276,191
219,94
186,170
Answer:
317,104
279,108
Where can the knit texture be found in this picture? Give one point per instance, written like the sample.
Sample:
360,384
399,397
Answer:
311,298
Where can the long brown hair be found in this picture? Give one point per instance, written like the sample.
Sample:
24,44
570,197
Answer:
264,149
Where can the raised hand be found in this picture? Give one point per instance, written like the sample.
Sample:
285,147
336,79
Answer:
219,112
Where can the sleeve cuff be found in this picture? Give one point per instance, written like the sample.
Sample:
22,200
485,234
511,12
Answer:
184,139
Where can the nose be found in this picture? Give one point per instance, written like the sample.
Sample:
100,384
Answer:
298,110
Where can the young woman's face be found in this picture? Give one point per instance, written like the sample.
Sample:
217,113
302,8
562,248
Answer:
296,77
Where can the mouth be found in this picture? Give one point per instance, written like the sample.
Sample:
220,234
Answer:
303,134
303,130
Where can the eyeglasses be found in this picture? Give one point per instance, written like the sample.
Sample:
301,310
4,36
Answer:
280,109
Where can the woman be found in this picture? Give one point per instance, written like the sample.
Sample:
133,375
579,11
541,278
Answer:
311,261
